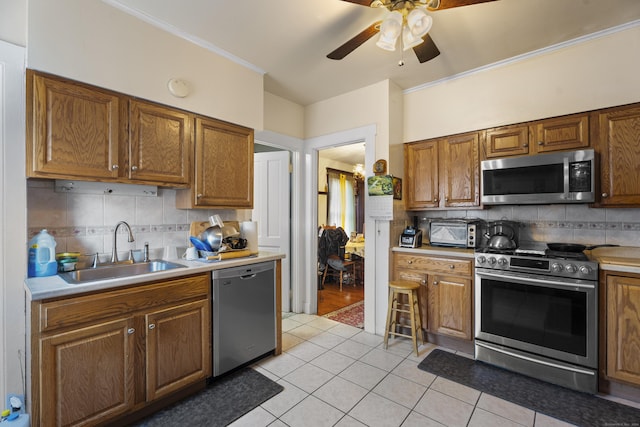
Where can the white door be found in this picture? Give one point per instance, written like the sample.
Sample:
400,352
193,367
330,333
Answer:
271,201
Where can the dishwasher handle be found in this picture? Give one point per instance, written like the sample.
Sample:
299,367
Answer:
248,276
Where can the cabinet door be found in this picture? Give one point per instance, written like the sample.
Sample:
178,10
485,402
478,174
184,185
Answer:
562,133
507,141
72,129
178,347
224,165
86,376
618,144
423,297
159,144
623,328
449,306
459,167
421,169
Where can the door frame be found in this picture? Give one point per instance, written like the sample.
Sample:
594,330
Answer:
366,135
297,267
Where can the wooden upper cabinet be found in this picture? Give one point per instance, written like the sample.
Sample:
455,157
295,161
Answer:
543,136
460,170
617,136
421,168
72,129
223,167
561,133
159,143
76,130
443,173
507,141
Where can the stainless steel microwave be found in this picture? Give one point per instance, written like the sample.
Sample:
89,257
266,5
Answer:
455,233
564,177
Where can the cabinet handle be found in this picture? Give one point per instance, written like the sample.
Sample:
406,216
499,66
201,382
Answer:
134,168
451,267
152,326
423,281
525,145
446,199
540,143
199,196
605,195
114,167
131,330
435,200
435,283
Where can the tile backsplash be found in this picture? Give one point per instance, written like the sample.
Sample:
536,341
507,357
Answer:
85,222
556,223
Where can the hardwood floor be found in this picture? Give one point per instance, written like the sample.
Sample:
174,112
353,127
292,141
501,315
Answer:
331,299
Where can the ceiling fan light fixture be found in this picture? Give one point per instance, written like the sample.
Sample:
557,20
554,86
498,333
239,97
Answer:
419,22
409,40
390,30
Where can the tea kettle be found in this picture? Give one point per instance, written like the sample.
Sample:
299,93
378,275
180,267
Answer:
501,235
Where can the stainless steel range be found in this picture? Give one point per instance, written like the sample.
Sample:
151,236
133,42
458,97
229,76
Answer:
536,313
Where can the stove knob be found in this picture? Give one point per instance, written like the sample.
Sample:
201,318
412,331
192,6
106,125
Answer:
492,260
481,259
502,262
570,268
585,269
556,268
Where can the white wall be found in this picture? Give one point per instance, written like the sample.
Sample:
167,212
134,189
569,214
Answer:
597,73
93,42
13,20
283,116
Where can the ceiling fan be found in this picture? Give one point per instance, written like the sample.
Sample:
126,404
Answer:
400,20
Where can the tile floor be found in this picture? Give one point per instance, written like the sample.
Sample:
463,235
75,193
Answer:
337,375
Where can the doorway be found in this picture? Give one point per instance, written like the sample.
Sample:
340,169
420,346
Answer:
340,292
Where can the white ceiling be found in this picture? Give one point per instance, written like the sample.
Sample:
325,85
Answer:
288,40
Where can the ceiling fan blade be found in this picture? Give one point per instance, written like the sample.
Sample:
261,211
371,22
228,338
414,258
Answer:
426,51
355,42
360,2
448,4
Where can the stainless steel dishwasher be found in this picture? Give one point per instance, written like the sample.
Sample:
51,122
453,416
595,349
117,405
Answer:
243,314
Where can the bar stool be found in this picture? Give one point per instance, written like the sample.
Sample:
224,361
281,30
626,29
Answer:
410,289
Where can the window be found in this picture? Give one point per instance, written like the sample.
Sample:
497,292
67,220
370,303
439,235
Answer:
341,203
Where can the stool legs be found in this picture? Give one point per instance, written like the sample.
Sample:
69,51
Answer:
412,308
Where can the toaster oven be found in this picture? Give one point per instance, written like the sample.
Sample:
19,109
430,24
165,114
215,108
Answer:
455,233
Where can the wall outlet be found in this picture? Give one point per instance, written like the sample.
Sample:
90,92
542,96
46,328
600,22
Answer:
10,406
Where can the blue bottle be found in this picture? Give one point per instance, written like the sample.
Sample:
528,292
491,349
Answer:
42,255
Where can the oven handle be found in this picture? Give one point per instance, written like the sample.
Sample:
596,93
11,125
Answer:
531,359
528,279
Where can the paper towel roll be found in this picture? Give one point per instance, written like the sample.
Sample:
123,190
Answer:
249,231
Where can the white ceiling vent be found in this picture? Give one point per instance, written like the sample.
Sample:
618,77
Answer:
105,188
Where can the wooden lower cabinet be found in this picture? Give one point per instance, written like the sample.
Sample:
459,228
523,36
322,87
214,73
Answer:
445,293
623,328
104,355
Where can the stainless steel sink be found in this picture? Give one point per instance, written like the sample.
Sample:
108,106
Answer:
118,271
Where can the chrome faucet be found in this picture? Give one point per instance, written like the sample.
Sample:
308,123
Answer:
114,250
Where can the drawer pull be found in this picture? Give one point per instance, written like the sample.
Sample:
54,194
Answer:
451,267
114,167
152,326
131,331
435,283
423,281
134,168
410,262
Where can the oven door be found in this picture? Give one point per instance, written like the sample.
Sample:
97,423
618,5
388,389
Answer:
552,317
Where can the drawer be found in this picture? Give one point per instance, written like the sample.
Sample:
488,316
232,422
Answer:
434,264
91,308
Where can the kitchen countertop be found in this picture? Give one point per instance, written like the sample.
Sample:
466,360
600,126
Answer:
624,259
39,288
437,250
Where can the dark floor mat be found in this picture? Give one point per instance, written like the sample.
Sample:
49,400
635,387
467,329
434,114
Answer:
222,402
577,408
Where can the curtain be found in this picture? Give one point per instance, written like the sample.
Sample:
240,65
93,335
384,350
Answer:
342,203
